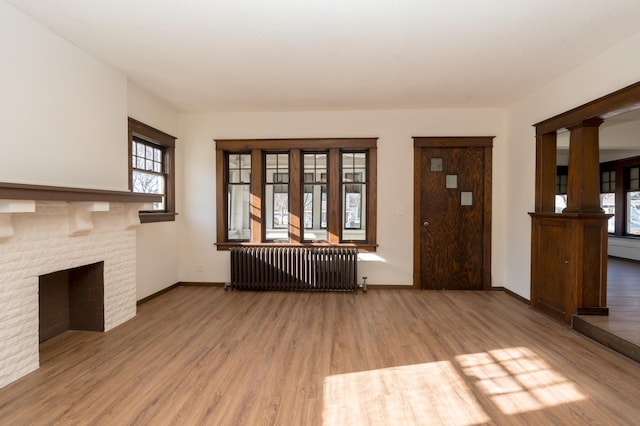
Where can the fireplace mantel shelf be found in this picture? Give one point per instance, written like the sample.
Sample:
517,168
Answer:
20,198
18,191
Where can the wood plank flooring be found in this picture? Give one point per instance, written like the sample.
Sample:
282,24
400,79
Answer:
623,300
199,355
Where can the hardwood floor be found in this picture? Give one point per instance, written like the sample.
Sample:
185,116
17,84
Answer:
199,355
621,328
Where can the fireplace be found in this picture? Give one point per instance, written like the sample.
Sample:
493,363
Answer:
72,299
73,251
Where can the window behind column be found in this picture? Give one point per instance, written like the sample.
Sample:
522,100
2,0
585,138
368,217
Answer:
608,196
562,174
633,200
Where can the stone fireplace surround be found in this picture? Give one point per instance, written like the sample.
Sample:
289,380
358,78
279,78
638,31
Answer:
41,233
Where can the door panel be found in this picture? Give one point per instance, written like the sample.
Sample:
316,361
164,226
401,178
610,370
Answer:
452,215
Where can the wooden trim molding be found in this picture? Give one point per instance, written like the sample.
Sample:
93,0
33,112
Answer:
303,144
512,294
618,100
389,287
151,134
453,142
362,247
16,191
176,285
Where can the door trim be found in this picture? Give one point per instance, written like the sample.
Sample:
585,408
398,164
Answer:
420,142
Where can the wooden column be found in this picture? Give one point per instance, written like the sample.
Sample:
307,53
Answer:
583,187
546,173
569,250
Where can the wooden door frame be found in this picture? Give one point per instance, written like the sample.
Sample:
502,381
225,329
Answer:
420,142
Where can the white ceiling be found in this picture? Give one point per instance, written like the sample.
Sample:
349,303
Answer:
266,55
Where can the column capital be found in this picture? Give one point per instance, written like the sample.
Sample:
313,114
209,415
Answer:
590,122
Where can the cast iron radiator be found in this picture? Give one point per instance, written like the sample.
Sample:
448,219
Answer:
294,268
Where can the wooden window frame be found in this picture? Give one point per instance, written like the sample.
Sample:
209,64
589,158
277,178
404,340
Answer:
168,143
334,147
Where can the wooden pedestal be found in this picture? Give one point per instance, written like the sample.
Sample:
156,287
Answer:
569,264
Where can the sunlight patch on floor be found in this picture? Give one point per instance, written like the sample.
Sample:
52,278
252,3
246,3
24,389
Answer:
513,380
431,393
517,380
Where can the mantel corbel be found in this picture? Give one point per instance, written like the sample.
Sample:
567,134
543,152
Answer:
80,215
131,213
7,209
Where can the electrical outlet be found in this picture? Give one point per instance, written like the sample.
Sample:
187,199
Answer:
199,268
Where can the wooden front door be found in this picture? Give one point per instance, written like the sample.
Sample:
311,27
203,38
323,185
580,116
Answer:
453,213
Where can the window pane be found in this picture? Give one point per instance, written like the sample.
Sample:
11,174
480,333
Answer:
148,183
633,213
276,197
354,190
608,181
608,204
634,178
315,197
239,168
238,212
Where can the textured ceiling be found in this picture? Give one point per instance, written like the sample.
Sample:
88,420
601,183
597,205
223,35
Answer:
257,55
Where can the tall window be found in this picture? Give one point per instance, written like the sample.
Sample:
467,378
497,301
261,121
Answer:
276,190
151,169
608,196
354,195
238,181
297,192
315,197
633,200
562,174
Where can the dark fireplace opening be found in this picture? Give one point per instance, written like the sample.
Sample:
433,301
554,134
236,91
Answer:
72,299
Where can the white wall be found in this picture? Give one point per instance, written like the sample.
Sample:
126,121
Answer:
63,116
157,243
608,72
61,110
395,129
621,136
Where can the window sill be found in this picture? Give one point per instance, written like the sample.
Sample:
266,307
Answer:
626,236
362,247
150,217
